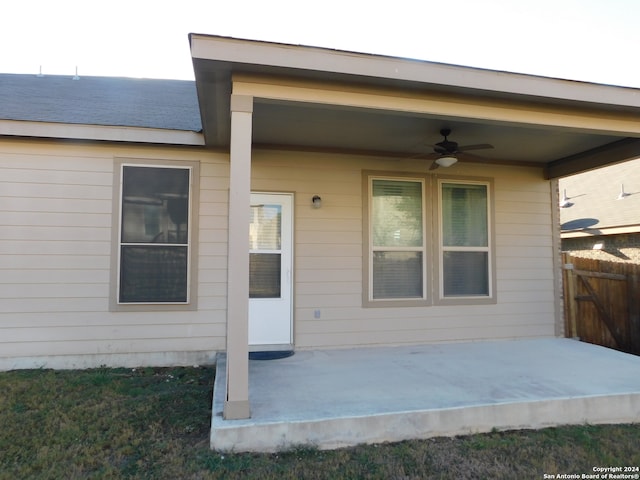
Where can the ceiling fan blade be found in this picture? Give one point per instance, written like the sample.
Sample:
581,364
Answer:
480,146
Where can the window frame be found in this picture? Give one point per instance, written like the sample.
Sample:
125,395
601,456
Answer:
440,298
367,291
191,276
433,274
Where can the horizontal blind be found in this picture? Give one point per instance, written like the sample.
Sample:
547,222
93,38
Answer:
465,273
465,239
397,213
464,215
397,233
265,227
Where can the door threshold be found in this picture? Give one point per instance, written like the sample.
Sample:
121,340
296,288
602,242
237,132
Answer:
270,354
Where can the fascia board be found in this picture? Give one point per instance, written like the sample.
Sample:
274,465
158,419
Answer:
99,132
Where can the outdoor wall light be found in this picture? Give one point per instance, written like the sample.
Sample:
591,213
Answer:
316,201
623,194
446,160
564,201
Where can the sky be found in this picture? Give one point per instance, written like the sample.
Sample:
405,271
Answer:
586,40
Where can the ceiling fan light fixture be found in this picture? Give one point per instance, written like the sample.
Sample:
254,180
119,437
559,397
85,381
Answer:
446,160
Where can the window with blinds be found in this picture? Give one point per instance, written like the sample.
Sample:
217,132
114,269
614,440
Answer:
464,239
397,253
404,215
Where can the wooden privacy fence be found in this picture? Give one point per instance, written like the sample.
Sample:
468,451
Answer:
602,302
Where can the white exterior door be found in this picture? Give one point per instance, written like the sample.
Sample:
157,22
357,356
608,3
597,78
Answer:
270,271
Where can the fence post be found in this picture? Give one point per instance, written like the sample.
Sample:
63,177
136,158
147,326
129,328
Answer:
633,301
571,328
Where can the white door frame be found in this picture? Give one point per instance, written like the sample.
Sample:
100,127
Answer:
271,320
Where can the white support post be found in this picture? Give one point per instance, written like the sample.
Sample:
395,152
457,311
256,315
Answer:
236,404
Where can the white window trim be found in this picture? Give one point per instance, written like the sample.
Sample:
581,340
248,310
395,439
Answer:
368,299
432,247
194,176
440,298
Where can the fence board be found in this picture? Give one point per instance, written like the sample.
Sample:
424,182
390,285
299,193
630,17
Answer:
633,294
602,303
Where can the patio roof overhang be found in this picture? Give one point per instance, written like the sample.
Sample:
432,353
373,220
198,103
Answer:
315,99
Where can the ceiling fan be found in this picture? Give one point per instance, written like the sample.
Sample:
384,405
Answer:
446,152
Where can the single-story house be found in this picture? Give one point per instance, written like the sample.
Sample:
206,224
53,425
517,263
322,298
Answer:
291,198
600,213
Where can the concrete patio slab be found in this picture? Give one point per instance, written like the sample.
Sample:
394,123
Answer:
336,398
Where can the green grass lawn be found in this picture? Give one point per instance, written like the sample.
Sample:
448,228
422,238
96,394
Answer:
154,423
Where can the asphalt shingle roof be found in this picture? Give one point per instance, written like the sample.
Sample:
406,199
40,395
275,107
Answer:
112,101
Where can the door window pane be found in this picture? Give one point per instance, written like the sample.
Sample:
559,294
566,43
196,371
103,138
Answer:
264,275
265,240
265,227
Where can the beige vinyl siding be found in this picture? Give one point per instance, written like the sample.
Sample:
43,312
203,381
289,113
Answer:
524,245
55,259
212,245
328,241
328,256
